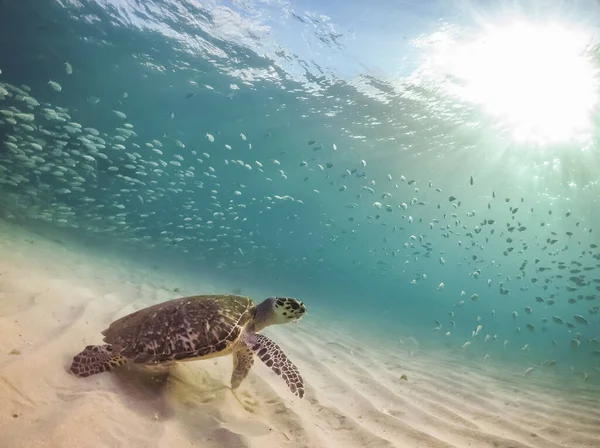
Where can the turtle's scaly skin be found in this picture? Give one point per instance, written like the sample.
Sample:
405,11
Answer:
190,327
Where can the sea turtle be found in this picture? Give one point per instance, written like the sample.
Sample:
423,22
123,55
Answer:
198,327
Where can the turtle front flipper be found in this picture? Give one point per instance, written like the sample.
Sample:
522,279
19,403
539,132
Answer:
242,363
96,359
272,355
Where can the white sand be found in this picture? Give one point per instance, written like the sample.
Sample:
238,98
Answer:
54,301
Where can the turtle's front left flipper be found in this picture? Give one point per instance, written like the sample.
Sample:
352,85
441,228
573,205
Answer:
242,363
272,355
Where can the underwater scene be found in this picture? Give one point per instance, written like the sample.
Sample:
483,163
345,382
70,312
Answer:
319,224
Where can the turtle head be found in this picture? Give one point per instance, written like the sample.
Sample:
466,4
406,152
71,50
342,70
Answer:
278,310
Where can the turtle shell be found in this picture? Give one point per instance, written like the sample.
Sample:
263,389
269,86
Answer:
189,327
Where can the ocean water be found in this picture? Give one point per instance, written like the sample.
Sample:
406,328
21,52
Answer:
354,158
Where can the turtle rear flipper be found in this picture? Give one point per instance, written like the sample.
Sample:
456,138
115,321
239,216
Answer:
272,355
96,359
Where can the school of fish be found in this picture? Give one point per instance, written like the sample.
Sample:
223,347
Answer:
68,174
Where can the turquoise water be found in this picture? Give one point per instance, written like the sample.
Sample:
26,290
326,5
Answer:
304,149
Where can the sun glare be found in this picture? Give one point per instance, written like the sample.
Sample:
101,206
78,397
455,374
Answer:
535,79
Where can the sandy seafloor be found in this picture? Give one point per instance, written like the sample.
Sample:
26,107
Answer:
55,299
